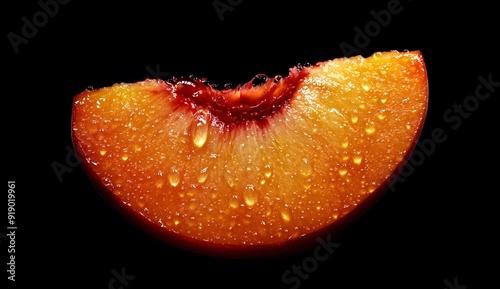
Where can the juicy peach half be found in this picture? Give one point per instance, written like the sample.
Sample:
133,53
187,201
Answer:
259,170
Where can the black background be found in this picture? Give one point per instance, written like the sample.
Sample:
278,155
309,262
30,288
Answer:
438,224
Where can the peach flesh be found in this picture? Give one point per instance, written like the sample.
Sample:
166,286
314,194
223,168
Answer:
224,185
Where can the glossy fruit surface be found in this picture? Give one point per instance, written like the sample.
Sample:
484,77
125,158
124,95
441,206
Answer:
259,170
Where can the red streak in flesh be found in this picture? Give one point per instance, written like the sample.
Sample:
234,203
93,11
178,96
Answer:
248,102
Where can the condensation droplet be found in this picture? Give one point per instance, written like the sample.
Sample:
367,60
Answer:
365,86
93,129
383,100
357,159
174,178
141,204
342,172
305,168
231,182
381,116
267,171
200,127
202,177
137,148
250,195
159,184
192,206
125,157
408,126
177,222
285,216
233,204
103,152
345,144
354,119
370,129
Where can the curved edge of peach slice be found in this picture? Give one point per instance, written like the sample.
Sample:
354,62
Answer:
255,251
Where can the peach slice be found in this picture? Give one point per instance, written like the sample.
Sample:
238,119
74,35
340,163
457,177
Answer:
261,170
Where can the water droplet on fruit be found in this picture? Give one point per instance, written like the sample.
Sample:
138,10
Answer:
200,127
141,204
125,157
345,144
202,177
343,172
231,182
305,168
267,171
383,100
365,86
381,116
371,189
370,129
259,79
233,203
408,127
285,215
103,152
250,195
357,159
174,178
354,119
159,184
93,129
